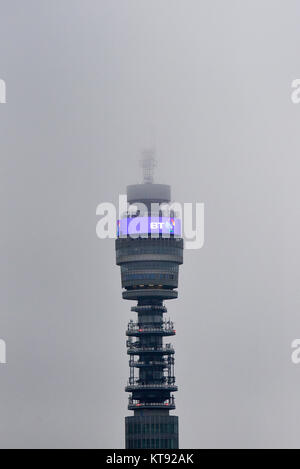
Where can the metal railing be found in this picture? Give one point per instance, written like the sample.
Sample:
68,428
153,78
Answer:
136,347
151,363
165,381
136,404
164,327
151,386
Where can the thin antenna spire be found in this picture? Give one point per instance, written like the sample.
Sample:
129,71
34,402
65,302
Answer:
148,163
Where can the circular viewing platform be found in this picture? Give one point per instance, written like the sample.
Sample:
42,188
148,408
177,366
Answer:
158,293
151,363
149,309
151,387
166,350
134,330
135,405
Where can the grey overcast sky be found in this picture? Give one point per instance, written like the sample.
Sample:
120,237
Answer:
89,84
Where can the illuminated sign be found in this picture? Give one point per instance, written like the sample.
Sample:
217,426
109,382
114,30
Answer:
148,225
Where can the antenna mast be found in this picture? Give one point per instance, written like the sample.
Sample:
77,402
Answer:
148,163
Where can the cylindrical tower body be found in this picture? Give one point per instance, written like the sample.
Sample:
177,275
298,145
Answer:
149,275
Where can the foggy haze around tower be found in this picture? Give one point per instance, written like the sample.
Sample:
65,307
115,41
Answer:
84,82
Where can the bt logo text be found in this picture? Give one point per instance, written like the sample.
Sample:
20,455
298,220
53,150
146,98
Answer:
156,225
295,96
2,92
2,352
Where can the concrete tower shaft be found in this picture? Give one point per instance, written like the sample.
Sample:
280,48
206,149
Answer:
149,275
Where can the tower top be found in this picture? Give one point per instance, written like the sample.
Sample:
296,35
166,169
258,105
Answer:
148,163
